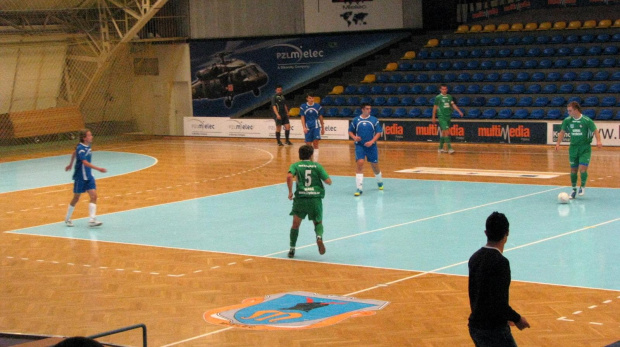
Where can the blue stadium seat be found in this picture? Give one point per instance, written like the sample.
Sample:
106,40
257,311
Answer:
328,100
386,112
553,114
430,66
569,76
449,54
488,89
525,101
459,41
462,53
519,52
527,40
463,77
576,99
592,62
533,52
561,63
376,89
556,39
509,101
599,88
520,114
585,76
582,88
499,41
428,113
346,112
608,62
566,88
514,64
545,64
382,78
541,101
417,66
374,112
463,101
543,39
609,101
571,39
436,54
617,116
537,114
431,89
405,66
576,63
414,113
421,78
557,101
615,76
458,65
409,78
493,101
471,41
578,51
396,78
491,77
400,112
602,38
550,89
589,113
517,89
486,65
366,100
533,89
563,51
530,64
595,50
423,54
420,101
458,89
339,101
548,52
605,114
610,50
417,89
489,113
504,113
353,101
507,77
522,76
503,89
389,89
490,53
473,113
553,76
601,76
363,89
449,77
455,114
350,89
485,41
393,101
587,38
407,101
478,101
435,78
614,88
444,65
477,77
501,64
379,101
476,53
504,52
615,37
332,112
538,76
514,40
445,43
403,89
472,65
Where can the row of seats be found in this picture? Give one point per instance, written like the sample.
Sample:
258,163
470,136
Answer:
473,113
489,88
521,76
494,101
532,26
523,40
545,63
520,52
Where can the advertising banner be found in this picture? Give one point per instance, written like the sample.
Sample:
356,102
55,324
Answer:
609,131
232,76
322,16
335,129
463,131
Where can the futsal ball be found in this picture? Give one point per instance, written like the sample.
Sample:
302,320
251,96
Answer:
563,198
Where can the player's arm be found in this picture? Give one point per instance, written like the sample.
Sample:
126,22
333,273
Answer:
354,137
456,108
373,140
597,134
434,113
289,184
560,138
303,123
322,124
275,110
328,181
71,162
87,164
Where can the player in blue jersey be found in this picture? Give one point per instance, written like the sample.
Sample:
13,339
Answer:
83,180
312,122
365,130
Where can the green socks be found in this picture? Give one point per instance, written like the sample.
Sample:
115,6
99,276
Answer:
584,178
318,230
573,179
294,235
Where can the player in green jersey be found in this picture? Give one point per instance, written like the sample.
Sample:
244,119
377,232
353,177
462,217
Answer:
581,130
308,196
444,104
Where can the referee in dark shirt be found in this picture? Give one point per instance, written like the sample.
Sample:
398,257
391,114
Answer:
489,284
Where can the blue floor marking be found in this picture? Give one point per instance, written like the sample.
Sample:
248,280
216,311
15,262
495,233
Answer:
50,171
413,225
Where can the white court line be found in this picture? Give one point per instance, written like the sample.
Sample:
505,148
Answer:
197,337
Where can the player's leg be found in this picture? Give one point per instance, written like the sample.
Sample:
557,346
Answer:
315,143
360,155
446,134
584,162
287,129
372,155
317,217
91,189
573,159
299,213
278,131
71,208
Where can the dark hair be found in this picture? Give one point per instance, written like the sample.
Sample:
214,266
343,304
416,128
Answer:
574,105
497,226
309,94
305,152
364,104
82,134
278,86
79,341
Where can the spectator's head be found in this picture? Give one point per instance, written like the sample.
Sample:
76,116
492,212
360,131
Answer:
496,227
78,341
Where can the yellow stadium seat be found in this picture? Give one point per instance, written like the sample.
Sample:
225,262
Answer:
408,55
476,28
574,24
462,29
432,43
317,99
489,28
606,23
502,27
337,90
530,26
295,110
559,26
516,27
589,24
616,23
390,67
545,26
370,78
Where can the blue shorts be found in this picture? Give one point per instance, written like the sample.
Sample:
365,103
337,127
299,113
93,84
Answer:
313,134
80,186
370,153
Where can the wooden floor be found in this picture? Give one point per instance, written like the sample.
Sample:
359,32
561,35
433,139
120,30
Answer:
57,298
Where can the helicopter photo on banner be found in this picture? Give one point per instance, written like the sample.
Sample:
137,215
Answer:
230,77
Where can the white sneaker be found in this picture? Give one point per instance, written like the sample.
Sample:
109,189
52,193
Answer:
582,191
440,150
69,223
94,223
450,151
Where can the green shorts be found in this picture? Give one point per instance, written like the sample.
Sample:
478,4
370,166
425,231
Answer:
579,155
444,123
311,207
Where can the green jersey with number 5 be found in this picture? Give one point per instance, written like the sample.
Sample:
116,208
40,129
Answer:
310,177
